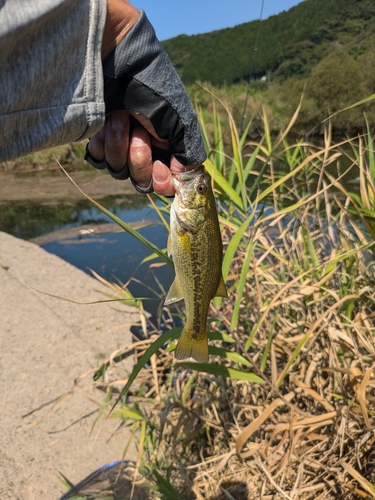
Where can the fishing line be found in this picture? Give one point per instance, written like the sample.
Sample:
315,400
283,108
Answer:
252,65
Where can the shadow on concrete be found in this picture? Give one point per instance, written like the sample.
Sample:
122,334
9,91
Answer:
232,489
112,482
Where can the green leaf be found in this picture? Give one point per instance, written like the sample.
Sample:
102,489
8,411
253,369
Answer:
231,250
220,180
234,244
251,161
221,371
238,160
291,360
126,412
241,284
125,226
154,347
232,356
221,336
358,103
163,486
269,342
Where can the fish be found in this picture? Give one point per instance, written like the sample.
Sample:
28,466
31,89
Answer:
195,245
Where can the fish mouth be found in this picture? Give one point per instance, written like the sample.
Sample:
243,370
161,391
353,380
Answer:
191,172
188,175
179,178
176,183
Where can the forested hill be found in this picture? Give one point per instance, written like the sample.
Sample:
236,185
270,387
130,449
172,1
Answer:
290,44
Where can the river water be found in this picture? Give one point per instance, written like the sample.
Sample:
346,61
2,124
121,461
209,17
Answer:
46,208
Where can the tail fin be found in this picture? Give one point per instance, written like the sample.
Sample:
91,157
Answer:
189,347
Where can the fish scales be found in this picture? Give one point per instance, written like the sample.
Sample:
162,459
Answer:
196,247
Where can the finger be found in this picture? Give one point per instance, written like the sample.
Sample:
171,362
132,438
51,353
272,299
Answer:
178,167
162,179
140,157
162,176
146,123
117,140
96,144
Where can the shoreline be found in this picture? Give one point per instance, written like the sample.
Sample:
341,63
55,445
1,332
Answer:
47,344
53,186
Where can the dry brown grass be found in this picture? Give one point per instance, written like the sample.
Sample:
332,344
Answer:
308,431
301,314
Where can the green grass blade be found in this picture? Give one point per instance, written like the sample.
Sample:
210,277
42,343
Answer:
189,383
291,360
124,226
163,486
221,336
231,250
128,413
244,135
220,180
269,342
251,161
267,132
310,247
241,284
154,347
250,339
358,103
159,212
204,130
238,161
232,356
258,179
370,152
221,371
234,244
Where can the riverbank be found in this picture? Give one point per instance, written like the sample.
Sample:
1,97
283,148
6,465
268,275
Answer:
53,186
47,342
68,155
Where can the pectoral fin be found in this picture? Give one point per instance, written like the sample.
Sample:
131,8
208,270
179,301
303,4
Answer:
175,293
221,289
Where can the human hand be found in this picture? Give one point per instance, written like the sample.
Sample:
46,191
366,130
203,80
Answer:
148,110
132,150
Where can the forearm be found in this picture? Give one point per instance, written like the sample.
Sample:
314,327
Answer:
121,17
51,73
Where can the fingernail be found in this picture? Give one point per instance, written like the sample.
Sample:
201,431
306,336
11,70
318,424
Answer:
137,141
116,123
160,172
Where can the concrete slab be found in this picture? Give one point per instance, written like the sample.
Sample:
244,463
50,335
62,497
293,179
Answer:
46,343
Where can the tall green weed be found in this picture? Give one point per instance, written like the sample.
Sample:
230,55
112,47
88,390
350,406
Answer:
298,262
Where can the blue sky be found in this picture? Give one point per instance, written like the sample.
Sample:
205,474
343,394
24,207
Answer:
190,17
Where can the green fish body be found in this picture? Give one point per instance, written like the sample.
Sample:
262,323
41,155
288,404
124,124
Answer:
195,244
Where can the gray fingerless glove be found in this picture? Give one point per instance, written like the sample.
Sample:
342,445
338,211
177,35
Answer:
138,76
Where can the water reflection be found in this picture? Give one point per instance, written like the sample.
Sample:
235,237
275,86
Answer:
116,258
30,219
114,255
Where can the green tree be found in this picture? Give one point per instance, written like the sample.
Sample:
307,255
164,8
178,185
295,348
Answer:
335,83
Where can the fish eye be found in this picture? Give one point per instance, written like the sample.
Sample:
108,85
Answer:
202,188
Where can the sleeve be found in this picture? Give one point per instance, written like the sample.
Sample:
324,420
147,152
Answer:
51,86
